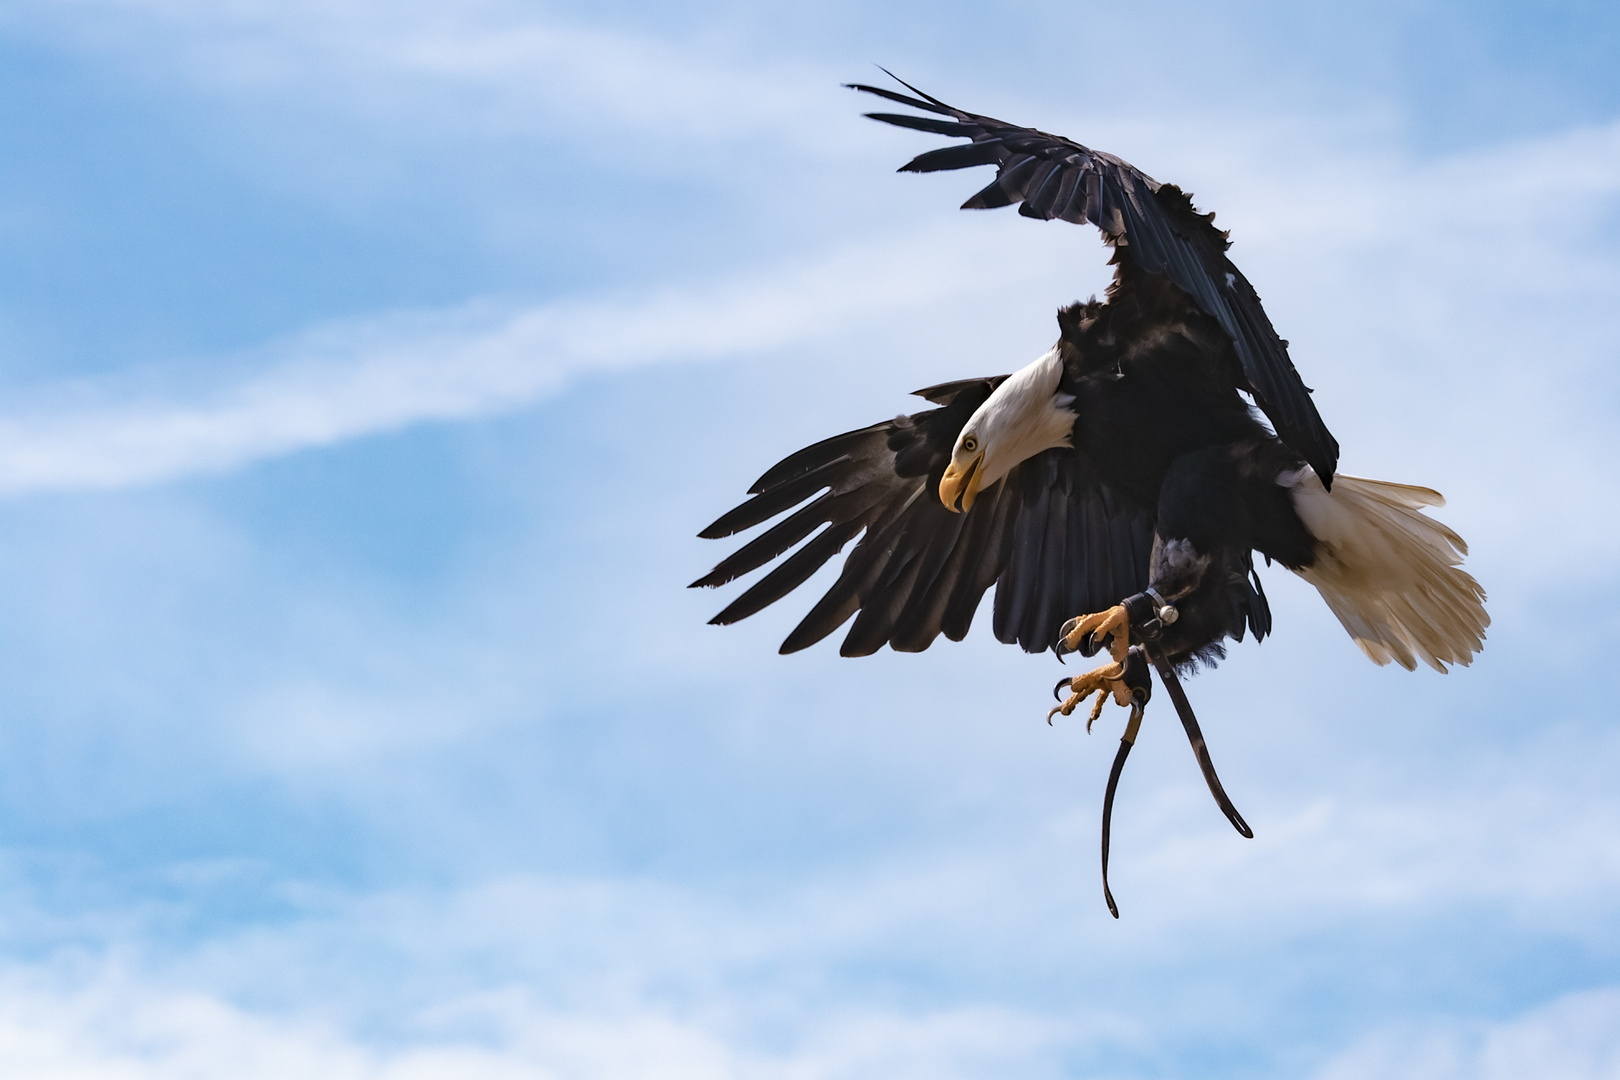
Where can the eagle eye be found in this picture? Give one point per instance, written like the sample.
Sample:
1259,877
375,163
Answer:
970,444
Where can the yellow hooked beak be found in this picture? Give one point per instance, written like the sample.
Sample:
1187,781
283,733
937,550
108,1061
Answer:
959,487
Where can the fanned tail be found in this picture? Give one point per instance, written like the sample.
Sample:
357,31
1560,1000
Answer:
1392,574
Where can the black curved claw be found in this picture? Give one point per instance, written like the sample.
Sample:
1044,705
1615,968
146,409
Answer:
1089,645
1059,649
1057,690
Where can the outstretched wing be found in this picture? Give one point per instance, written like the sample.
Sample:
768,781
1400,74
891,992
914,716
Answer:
1155,225
1049,535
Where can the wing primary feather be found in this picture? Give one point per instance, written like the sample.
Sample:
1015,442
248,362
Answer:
945,393
1015,173
848,593
777,498
822,620
992,196
776,540
900,98
829,613
1068,182
793,572
919,622
940,532
1041,189
914,90
878,614
818,454
925,123
964,156
1074,210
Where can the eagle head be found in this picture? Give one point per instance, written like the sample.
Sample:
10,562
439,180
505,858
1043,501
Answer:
1023,416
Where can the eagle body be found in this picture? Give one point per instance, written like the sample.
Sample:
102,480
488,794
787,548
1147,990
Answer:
1115,490
1152,379
1140,463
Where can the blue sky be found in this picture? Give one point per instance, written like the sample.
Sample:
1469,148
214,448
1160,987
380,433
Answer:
368,369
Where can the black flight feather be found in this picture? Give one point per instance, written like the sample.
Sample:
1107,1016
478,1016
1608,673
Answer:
793,572
922,123
957,157
774,500
919,570
900,98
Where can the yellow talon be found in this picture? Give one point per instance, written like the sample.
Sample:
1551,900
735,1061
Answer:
1113,623
1110,678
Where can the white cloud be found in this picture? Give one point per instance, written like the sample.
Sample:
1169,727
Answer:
353,379
117,1025
1423,261
579,979
491,66
1532,853
1576,1037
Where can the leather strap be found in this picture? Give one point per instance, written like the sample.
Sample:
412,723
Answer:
1172,685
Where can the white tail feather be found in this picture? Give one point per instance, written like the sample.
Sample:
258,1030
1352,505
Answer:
1389,572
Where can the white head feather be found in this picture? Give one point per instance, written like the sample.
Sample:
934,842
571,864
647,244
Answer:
1022,417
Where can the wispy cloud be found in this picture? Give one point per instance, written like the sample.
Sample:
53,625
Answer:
343,381
534,976
497,67
1420,223
119,1026
1574,1038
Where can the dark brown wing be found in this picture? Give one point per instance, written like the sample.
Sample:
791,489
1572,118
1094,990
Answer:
1050,536
1154,224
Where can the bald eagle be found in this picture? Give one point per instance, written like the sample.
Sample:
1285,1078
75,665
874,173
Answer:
1115,490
